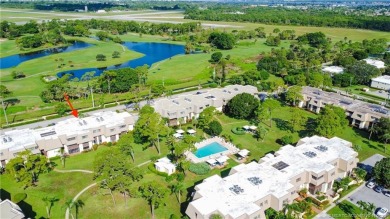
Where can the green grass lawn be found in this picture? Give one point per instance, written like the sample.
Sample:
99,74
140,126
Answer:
64,186
345,210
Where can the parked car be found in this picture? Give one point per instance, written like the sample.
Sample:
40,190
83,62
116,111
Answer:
382,212
371,185
378,189
387,193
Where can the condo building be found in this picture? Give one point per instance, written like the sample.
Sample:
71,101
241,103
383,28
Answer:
361,114
189,105
74,135
249,189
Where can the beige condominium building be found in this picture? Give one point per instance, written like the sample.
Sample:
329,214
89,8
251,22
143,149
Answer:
360,113
249,189
74,135
189,105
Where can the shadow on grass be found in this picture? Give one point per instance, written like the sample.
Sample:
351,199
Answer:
4,194
368,143
346,208
283,125
27,210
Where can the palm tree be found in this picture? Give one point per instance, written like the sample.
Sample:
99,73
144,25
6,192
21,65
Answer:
68,205
62,156
386,138
78,204
170,142
177,189
49,202
372,129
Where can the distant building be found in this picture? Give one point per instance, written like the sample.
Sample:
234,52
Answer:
249,189
333,70
189,105
101,11
360,113
86,8
382,82
74,135
10,210
165,165
376,63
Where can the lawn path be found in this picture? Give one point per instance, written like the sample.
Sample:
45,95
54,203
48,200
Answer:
88,187
69,171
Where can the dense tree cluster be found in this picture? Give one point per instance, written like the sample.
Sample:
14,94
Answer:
222,40
381,172
285,16
242,106
332,119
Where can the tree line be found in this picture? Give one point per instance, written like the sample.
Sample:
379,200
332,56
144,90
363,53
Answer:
284,16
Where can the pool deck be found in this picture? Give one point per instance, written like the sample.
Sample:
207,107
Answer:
231,149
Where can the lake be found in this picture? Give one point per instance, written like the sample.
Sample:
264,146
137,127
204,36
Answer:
153,52
14,60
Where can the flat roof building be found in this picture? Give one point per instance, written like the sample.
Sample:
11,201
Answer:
376,63
275,180
382,82
74,135
189,105
333,70
10,210
361,114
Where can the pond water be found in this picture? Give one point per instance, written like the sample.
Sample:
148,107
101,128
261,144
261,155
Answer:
153,52
14,60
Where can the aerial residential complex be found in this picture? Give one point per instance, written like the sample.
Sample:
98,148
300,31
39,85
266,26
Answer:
74,135
314,163
382,82
190,105
361,114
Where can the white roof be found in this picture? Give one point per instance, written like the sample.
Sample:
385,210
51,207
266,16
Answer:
246,127
212,161
215,193
376,63
383,79
243,152
333,69
253,127
18,139
222,159
191,131
180,131
177,135
165,163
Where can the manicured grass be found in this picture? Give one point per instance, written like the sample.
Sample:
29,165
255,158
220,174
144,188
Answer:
346,210
64,186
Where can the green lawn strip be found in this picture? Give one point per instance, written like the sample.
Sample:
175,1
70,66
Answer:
61,185
345,209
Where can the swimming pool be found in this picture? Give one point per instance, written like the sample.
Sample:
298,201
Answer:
212,148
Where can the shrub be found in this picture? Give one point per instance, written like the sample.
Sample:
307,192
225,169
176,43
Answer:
214,128
215,57
18,197
95,147
199,168
213,85
238,131
180,177
287,139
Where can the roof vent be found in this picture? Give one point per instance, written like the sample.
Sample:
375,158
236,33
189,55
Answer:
321,148
255,180
5,140
81,124
9,139
310,154
98,119
84,122
236,189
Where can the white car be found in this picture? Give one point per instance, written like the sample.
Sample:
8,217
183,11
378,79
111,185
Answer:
371,185
387,193
382,212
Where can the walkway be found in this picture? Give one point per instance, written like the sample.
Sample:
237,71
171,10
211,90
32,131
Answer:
88,187
69,171
324,215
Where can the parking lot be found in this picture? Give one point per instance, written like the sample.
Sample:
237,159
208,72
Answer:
369,195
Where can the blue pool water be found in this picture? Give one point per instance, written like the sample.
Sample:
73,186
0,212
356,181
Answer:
210,149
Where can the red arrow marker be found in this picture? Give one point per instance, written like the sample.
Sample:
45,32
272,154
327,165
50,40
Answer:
74,111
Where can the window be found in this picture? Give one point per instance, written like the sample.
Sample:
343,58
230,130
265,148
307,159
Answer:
351,163
201,107
207,105
332,174
266,202
85,146
360,116
122,126
316,178
71,139
335,164
112,130
96,130
285,201
292,193
261,204
298,179
84,137
1,154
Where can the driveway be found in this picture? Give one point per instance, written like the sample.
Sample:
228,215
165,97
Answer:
369,163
